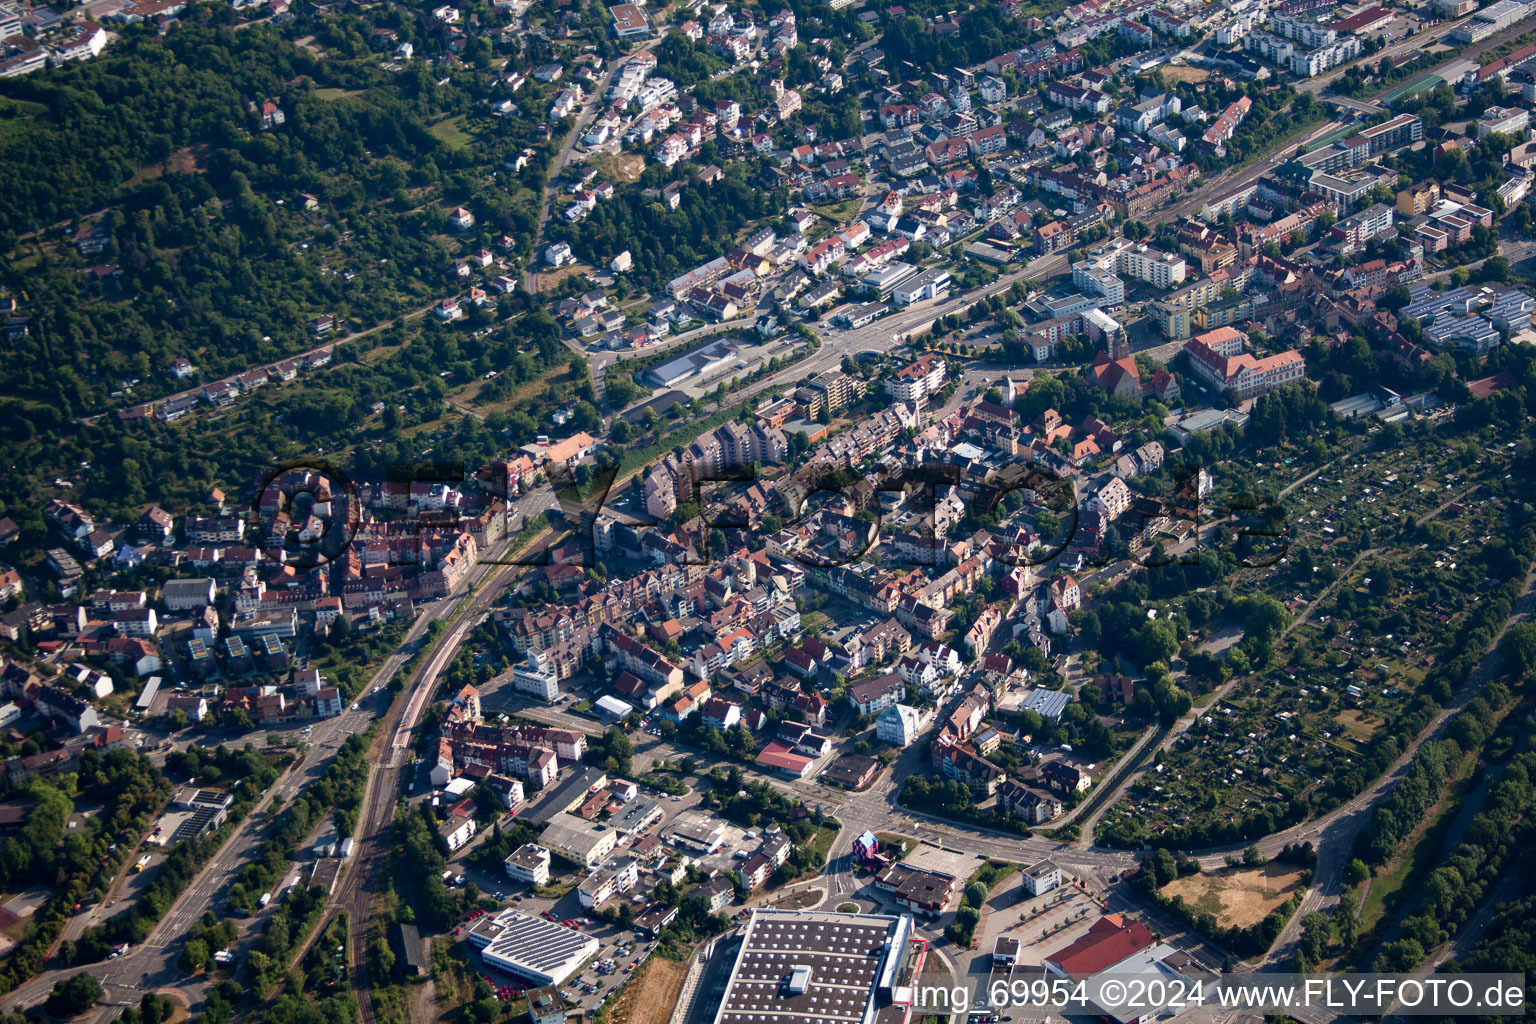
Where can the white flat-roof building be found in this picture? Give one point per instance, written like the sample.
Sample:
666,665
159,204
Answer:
799,965
538,676
888,277
613,707
930,284
528,864
1042,877
531,947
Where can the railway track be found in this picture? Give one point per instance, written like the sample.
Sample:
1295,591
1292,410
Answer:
390,759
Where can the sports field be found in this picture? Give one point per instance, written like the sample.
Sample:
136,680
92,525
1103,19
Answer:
1428,80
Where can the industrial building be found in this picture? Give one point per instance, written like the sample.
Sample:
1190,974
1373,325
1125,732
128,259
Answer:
531,947
1493,18
1046,703
581,842
702,359
408,955
796,965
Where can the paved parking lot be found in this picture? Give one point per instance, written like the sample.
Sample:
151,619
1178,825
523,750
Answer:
950,861
1045,923
1042,924
589,988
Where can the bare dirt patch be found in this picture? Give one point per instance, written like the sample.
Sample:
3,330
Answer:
549,280
187,160
650,997
799,899
622,168
1239,897
178,1000
1181,73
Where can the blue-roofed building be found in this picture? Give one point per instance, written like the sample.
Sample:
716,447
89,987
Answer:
1469,319
1511,311
1473,333
702,359
1047,704
1424,303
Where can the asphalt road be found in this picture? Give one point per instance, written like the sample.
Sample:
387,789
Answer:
595,101
152,964
889,332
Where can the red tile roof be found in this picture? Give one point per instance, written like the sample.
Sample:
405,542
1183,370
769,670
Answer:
1111,939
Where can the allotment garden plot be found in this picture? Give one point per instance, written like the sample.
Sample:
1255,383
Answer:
1389,554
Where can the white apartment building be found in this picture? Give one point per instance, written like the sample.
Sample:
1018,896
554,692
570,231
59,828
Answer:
1308,34
1162,269
899,724
528,864
1321,59
1092,279
537,677
1269,46
917,380
1114,498
1127,259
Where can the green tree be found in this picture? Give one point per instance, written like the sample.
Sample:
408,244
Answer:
74,995
1518,650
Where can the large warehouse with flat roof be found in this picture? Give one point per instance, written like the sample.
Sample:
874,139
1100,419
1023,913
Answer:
531,947
711,355
800,965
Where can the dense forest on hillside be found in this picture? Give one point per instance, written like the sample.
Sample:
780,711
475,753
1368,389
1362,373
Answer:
665,243
200,241
984,33
176,463
157,151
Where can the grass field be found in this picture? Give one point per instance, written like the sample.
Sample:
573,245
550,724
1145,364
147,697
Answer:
337,94
550,279
451,132
840,214
556,375
1359,725
1239,897
623,168
188,160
